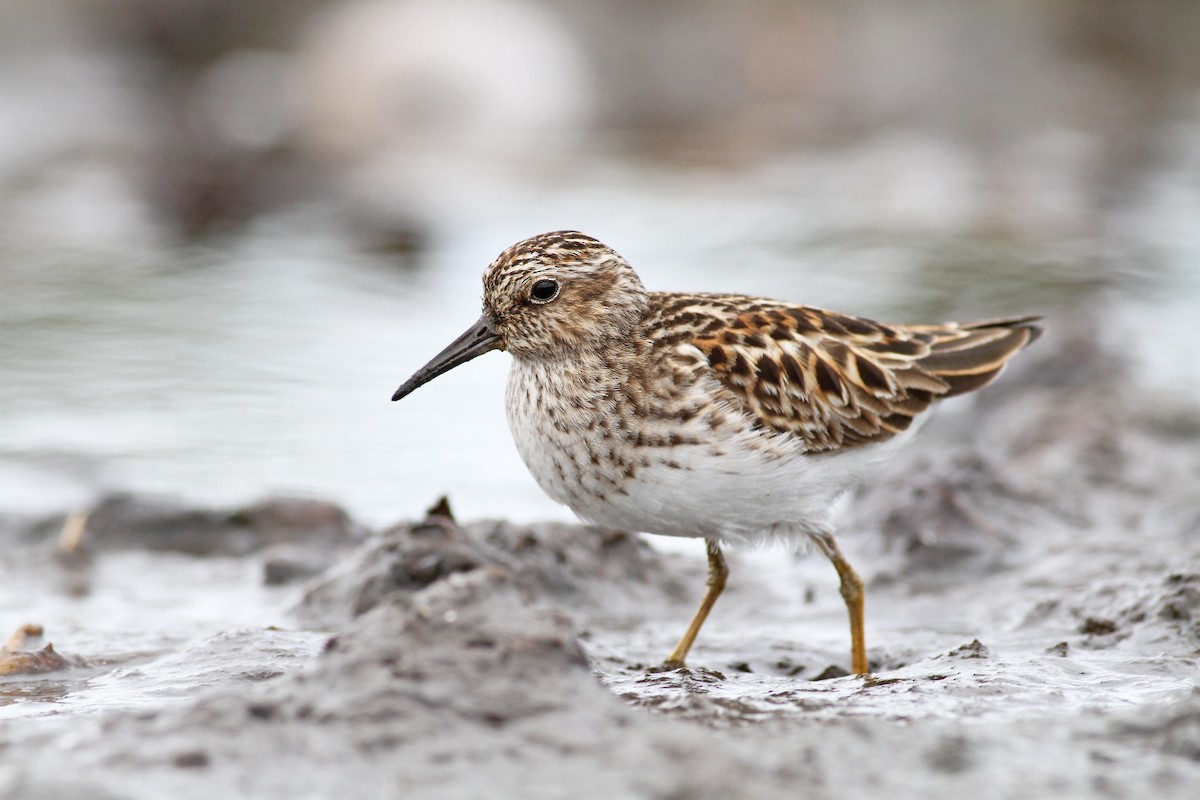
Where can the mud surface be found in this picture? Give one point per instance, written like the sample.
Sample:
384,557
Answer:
1033,569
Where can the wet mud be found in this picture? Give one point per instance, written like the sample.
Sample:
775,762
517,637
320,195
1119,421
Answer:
1033,623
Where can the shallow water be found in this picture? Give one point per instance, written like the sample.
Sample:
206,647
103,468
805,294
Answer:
146,630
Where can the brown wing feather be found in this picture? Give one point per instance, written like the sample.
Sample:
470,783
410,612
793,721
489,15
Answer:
834,380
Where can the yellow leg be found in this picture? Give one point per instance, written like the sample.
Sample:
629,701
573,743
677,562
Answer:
718,571
853,593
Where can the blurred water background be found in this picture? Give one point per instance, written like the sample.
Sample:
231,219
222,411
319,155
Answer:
229,229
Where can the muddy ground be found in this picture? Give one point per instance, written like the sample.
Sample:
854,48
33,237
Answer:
1033,568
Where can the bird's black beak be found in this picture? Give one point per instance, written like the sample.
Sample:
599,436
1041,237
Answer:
477,340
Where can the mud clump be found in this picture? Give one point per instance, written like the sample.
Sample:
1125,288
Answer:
590,572
161,524
462,688
1098,627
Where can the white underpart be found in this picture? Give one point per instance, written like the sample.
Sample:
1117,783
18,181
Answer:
740,497
744,487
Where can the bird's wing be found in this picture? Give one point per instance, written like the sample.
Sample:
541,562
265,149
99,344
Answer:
834,380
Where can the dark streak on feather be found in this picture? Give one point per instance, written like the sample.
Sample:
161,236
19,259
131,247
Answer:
791,368
873,377
768,370
827,378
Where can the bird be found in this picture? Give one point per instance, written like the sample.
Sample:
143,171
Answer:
729,418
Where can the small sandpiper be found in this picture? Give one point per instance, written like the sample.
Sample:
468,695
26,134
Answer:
716,416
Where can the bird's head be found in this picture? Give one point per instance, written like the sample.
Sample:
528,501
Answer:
549,297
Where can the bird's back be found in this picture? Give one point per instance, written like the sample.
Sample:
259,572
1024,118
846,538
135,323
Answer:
833,380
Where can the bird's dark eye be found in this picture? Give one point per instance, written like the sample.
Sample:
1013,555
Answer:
544,291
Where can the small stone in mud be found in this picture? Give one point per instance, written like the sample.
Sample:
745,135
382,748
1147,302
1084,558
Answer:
741,666
1059,649
1094,626
441,509
972,649
831,672
870,681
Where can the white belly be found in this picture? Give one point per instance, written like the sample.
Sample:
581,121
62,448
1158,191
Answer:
733,485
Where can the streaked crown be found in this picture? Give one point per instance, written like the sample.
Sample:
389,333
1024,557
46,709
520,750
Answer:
559,293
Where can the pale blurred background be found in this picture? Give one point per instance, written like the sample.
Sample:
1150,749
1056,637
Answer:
230,228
